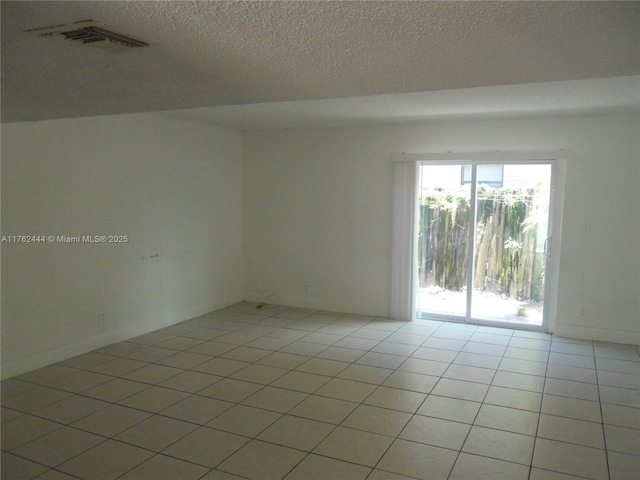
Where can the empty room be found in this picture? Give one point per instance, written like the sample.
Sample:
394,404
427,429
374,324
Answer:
320,240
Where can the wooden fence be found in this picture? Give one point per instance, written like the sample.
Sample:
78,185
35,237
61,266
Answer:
506,262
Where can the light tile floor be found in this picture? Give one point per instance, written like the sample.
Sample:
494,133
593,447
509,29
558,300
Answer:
281,393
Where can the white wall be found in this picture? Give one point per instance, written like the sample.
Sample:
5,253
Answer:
175,188
318,213
317,222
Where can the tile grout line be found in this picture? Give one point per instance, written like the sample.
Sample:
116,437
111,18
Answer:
604,436
544,383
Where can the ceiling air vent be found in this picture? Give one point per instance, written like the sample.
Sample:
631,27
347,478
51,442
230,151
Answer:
88,32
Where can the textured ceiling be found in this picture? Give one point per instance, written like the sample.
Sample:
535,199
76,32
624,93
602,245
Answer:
212,54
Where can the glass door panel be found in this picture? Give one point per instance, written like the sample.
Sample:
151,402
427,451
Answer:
511,227
443,240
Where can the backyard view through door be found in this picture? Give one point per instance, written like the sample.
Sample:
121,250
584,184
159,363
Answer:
483,241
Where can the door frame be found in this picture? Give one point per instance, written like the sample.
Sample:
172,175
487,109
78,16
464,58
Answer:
557,159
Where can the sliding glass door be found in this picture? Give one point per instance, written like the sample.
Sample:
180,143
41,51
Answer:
482,241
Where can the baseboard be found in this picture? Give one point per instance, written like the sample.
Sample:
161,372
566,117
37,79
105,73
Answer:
568,331
318,304
597,334
23,365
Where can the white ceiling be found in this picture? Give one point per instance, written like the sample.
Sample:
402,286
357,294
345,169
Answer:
280,64
573,97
